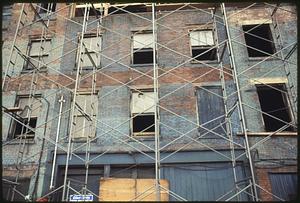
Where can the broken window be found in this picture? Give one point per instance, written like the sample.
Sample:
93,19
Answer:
259,40
137,8
143,48
27,117
202,42
44,7
91,45
79,9
143,110
211,111
84,124
38,51
273,101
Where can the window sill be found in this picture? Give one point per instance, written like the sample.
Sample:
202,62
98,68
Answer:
142,138
17,141
43,70
207,61
141,65
285,133
262,58
86,69
82,140
51,17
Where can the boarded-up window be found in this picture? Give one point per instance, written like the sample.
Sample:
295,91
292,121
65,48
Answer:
143,102
85,116
39,53
205,181
284,186
29,113
125,189
201,43
211,111
202,38
143,48
143,109
143,40
91,45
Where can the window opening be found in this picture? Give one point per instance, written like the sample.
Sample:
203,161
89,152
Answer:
143,48
202,41
259,38
274,102
143,111
39,53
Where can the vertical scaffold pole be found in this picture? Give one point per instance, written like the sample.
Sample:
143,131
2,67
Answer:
156,121
73,105
244,129
61,101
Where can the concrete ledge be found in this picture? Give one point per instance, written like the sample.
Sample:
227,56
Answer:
269,133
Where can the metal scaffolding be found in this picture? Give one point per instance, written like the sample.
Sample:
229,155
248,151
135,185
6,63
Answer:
234,104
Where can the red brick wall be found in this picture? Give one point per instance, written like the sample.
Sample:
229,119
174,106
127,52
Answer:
179,75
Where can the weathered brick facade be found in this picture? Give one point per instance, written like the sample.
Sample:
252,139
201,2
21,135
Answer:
179,81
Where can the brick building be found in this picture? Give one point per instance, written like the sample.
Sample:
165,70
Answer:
141,101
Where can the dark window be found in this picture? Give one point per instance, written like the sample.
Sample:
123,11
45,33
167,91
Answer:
259,38
199,54
76,176
274,102
46,6
21,129
138,171
284,186
7,189
94,9
143,123
79,12
143,48
202,42
131,9
22,113
143,56
211,111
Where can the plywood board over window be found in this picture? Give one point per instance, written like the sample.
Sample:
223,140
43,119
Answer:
39,54
92,45
126,189
85,116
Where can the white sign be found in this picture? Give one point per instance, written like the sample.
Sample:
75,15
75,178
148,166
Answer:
80,198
